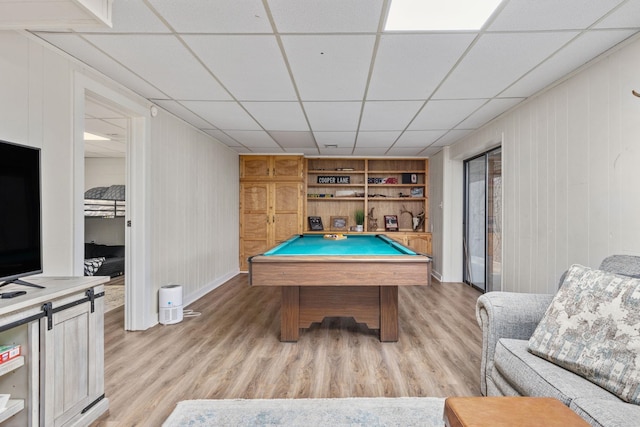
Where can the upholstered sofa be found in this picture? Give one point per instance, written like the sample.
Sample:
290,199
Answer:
103,260
509,368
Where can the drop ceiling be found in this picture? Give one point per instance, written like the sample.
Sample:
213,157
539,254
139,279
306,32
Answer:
321,77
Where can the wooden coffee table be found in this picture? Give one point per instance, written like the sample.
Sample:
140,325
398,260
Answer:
509,411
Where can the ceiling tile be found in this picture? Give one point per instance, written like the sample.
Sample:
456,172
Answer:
330,67
488,112
377,139
498,60
419,74
430,151
181,111
445,114
294,139
327,16
388,115
253,138
572,56
627,16
369,151
164,62
336,151
287,116
404,151
77,47
251,67
333,116
223,115
223,137
215,17
132,16
418,138
341,139
525,15
451,137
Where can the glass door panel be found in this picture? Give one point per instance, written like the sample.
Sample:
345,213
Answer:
475,236
483,221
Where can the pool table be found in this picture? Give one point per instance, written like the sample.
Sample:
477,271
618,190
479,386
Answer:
354,277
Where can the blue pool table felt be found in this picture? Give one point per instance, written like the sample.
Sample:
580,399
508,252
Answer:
316,244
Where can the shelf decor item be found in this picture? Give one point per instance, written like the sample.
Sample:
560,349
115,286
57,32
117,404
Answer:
391,222
417,192
339,223
323,179
315,223
409,178
416,220
9,352
338,236
372,221
359,217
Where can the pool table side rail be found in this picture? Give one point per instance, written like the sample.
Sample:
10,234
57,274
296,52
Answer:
340,271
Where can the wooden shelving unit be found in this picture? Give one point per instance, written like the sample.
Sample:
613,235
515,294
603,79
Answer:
374,183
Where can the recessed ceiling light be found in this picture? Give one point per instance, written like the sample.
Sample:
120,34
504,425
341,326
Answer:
439,15
92,137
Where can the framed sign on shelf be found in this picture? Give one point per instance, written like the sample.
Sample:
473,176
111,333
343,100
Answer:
339,223
315,223
391,222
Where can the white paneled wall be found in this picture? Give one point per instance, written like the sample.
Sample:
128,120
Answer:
571,167
194,185
193,212
35,110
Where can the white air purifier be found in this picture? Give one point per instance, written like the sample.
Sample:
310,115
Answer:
170,304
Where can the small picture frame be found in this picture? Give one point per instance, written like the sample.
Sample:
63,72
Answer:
391,222
339,223
315,223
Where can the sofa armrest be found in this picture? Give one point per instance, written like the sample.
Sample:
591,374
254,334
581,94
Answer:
506,315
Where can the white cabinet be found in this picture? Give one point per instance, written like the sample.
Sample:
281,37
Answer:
60,379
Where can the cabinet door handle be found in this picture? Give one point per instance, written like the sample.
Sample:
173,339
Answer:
267,219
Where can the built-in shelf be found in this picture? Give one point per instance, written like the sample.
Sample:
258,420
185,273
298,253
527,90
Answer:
13,407
376,186
11,365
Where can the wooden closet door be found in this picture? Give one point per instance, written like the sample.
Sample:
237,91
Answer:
287,210
254,223
255,167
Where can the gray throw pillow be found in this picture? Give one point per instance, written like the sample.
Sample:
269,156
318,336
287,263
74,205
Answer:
592,328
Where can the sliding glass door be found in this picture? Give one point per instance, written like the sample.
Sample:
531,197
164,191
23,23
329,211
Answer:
483,221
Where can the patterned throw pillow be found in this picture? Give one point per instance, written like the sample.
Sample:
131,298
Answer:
592,328
92,265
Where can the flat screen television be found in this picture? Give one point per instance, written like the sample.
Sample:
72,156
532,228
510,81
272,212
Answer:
20,213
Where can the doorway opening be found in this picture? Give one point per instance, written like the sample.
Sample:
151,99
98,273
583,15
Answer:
106,131
482,241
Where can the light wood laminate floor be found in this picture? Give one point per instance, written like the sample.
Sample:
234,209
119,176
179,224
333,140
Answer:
233,351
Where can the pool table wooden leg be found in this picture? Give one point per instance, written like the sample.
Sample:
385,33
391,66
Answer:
388,313
290,313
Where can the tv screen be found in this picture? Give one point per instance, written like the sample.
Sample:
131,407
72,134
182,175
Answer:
20,222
